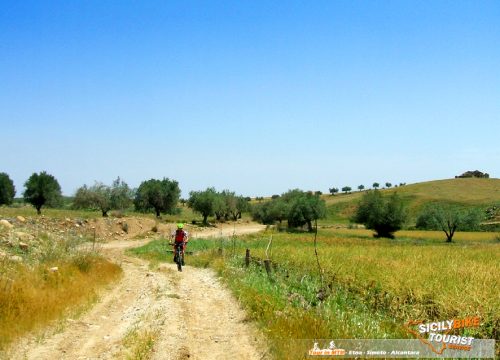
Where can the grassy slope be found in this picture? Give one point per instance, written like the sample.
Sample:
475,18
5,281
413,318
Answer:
467,192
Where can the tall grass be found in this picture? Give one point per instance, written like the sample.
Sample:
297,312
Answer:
372,287
54,277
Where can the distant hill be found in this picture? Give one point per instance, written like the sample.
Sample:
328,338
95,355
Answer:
469,192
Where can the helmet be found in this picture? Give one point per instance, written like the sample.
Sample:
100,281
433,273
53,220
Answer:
180,225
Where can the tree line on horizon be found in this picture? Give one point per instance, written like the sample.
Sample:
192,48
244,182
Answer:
375,186
383,214
157,196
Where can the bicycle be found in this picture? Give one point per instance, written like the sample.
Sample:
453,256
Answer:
179,255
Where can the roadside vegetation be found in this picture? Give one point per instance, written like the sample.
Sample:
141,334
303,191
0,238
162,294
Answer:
46,281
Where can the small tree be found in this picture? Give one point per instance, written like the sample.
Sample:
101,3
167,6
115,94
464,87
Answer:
278,210
376,185
220,207
242,206
121,195
303,208
7,189
388,184
118,196
42,189
333,191
361,187
346,189
384,215
158,195
203,202
448,219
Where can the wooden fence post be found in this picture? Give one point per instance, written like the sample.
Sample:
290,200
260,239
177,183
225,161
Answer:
267,264
247,258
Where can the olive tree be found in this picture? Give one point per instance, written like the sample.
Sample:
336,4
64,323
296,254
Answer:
7,189
161,196
346,189
333,190
118,196
42,189
303,208
203,202
385,215
449,219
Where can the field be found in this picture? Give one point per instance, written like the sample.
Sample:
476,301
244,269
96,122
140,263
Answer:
363,288
370,287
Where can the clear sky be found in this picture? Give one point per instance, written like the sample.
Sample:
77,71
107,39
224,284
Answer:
254,96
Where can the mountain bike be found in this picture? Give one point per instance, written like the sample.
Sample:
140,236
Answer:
179,255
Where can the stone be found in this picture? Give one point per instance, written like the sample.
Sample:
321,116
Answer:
16,258
54,269
21,219
23,246
6,224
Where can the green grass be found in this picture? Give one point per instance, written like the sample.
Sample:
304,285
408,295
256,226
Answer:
374,286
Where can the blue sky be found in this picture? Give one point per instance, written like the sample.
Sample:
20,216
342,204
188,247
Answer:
255,96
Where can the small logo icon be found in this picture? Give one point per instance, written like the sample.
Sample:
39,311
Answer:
331,350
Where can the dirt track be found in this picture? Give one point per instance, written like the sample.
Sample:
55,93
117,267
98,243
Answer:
188,315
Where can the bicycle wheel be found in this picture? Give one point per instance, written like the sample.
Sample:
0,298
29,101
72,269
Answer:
179,261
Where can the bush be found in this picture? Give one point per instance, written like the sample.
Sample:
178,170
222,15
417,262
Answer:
384,215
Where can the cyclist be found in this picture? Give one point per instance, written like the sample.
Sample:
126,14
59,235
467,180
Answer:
180,237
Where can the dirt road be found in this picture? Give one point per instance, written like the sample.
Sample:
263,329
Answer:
158,314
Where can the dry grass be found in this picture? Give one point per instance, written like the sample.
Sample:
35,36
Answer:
461,237
32,297
477,193
139,343
467,191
